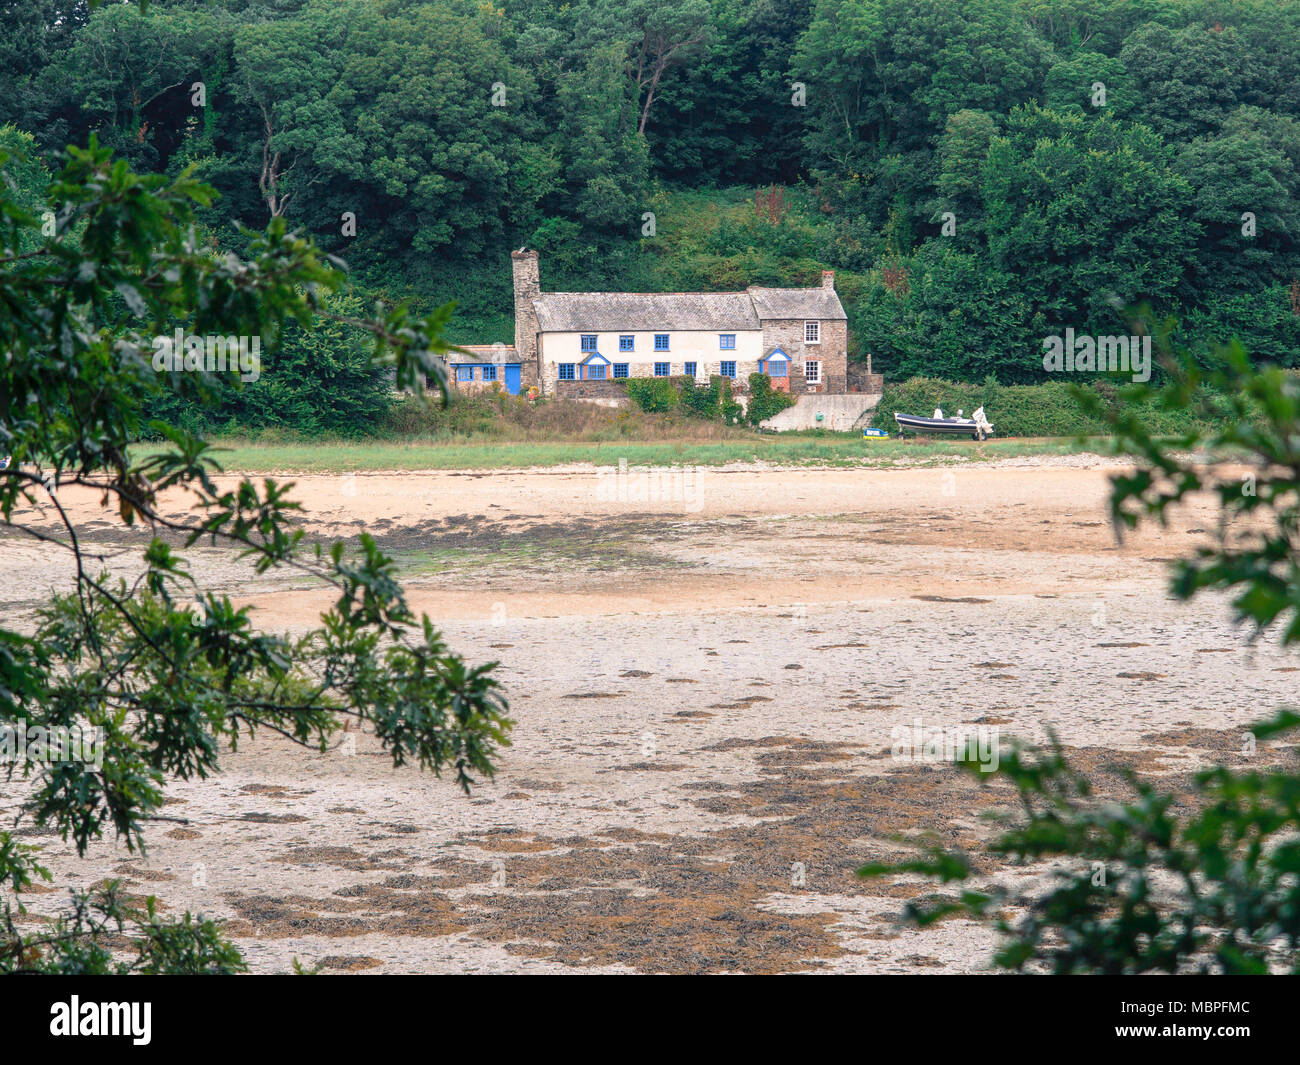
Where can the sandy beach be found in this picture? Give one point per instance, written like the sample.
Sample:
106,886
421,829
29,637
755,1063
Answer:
705,670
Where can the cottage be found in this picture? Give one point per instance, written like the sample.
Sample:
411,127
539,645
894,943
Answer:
589,343
484,366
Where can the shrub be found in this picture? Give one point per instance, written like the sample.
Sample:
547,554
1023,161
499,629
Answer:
702,402
654,395
318,380
680,395
764,400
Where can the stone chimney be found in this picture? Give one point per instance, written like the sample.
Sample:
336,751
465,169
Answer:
528,286
828,279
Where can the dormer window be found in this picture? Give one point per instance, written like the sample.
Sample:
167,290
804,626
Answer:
812,332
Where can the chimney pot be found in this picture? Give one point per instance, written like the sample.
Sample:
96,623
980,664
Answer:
828,279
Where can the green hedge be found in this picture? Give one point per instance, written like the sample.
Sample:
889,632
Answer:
654,395
1015,410
680,395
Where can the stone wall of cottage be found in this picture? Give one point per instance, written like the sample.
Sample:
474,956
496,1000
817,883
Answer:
473,387
498,355
613,388
588,389
832,352
870,383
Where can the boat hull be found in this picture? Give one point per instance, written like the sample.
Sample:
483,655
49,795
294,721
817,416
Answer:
939,426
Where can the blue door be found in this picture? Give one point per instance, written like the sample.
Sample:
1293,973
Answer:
512,378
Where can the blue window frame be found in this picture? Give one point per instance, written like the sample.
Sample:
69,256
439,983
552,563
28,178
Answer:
727,341
620,369
567,372
661,369
489,373
661,342
627,343
775,365
690,369
464,373
588,342
596,372
728,369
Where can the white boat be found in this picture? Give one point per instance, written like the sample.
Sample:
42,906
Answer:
976,426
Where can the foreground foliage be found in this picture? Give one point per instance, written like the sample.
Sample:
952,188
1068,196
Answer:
165,671
1208,882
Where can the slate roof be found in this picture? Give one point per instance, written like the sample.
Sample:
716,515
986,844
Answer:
819,303
609,312
612,312
499,353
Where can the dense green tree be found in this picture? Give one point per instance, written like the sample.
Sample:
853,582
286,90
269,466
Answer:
1089,82
664,34
959,162
32,34
733,114
411,117
128,77
1246,200
1096,25
1187,80
890,72
1270,39
953,316
27,179
1266,321
1087,213
322,379
600,189
317,380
